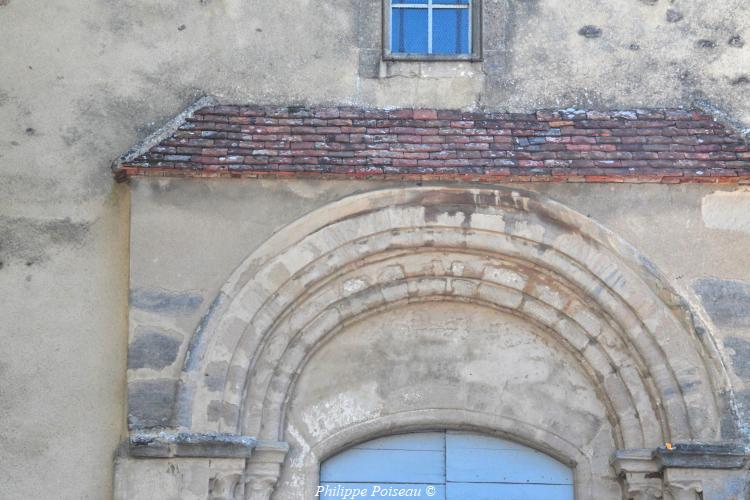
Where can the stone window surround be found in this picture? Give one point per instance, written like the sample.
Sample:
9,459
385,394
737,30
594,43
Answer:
488,44
476,38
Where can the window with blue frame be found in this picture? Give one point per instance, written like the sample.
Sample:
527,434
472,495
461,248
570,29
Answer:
433,28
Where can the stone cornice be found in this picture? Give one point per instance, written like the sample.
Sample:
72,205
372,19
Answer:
188,444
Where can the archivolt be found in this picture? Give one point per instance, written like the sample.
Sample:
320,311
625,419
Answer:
587,288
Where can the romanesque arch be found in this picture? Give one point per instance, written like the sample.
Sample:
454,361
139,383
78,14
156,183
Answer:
502,250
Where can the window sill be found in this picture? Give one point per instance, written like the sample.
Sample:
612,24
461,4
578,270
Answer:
430,68
432,57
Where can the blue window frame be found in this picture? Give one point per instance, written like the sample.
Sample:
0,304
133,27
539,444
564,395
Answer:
432,28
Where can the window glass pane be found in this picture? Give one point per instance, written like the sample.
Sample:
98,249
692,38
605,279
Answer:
464,2
409,31
450,31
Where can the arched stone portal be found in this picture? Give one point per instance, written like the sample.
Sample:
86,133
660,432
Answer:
460,273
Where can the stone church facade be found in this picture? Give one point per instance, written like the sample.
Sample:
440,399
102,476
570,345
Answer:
538,243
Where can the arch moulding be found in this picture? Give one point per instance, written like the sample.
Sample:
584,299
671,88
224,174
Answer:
502,249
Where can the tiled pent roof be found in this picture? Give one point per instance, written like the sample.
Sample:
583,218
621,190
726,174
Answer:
655,145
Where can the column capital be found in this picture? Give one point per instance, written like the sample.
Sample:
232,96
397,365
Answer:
263,469
639,471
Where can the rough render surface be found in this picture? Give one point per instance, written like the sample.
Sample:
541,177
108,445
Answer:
83,81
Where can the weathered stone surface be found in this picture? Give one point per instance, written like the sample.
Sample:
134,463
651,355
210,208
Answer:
702,456
727,210
152,348
727,302
741,355
188,444
164,301
151,403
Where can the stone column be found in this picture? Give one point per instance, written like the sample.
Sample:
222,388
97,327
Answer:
263,469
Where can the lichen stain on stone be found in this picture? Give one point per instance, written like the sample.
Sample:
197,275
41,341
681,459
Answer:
31,240
736,41
590,31
674,16
705,44
345,409
3,3
158,300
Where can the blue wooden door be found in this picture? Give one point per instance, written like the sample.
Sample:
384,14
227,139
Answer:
445,466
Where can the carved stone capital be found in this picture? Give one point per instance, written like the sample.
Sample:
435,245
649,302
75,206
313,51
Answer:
640,486
226,486
640,473
226,480
263,469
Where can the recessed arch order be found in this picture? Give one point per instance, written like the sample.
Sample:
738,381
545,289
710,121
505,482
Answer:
502,248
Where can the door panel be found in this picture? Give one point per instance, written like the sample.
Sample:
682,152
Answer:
490,491
382,490
485,459
406,458
450,466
